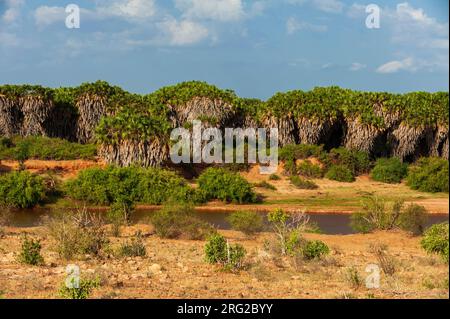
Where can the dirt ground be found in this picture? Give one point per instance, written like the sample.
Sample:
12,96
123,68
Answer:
176,269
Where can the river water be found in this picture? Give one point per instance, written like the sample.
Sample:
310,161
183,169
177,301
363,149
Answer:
332,224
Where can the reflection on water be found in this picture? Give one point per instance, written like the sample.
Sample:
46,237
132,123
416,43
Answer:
332,224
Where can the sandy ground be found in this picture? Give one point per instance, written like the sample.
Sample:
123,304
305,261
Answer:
176,269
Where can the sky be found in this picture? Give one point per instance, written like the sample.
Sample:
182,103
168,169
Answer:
254,47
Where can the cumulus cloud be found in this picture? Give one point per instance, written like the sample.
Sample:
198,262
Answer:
46,15
183,32
129,9
293,25
12,11
356,66
221,10
330,6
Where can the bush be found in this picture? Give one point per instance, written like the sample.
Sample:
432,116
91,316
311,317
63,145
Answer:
133,248
429,175
353,277
45,148
314,249
219,183
308,169
292,152
176,221
413,219
303,183
218,251
80,290
375,215
389,170
265,185
274,177
30,253
357,162
386,262
21,190
436,241
77,234
119,214
119,184
340,173
247,222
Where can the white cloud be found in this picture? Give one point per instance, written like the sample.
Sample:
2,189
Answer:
407,64
330,6
356,66
293,25
220,10
12,11
183,32
46,15
129,9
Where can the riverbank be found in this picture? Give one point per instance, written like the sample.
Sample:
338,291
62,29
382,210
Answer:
176,269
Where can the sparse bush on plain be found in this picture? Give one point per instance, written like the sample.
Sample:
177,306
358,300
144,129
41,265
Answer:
315,249
385,261
353,277
310,170
219,251
302,183
21,190
247,222
133,248
274,177
389,170
79,290
436,240
30,253
429,174
221,184
179,221
340,173
413,219
266,185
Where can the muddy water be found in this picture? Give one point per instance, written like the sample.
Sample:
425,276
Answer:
332,224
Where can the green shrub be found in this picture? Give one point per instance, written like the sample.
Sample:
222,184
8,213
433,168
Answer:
436,241
413,219
218,251
45,148
247,222
308,169
429,175
301,183
128,184
389,170
218,183
353,277
357,162
30,253
375,215
84,289
315,249
340,173
119,214
292,152
274,177
133,248
179,221
21,190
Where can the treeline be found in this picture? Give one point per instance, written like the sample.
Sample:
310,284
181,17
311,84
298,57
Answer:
132,128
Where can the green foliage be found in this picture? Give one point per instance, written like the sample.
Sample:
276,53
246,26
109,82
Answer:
375,215
274,177
119,214
219,183
266,185
436,241
292,152
389,170
340,173
247,222
45,148
356,161
429,175
301,183
353,277
218,251
310,170
133,248
84,289
179,221
21,190
30,252
315,249
127,184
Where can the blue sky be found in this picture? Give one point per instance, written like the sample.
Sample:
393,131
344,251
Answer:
253,47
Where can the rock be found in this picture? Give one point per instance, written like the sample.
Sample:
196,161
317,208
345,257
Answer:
155,269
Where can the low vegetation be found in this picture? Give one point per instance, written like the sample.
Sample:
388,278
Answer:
429,175
21,190
389,170
179,221
219,251
247,222
78,289
221,184
30,253
302,183
340,173
436,241
134,247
